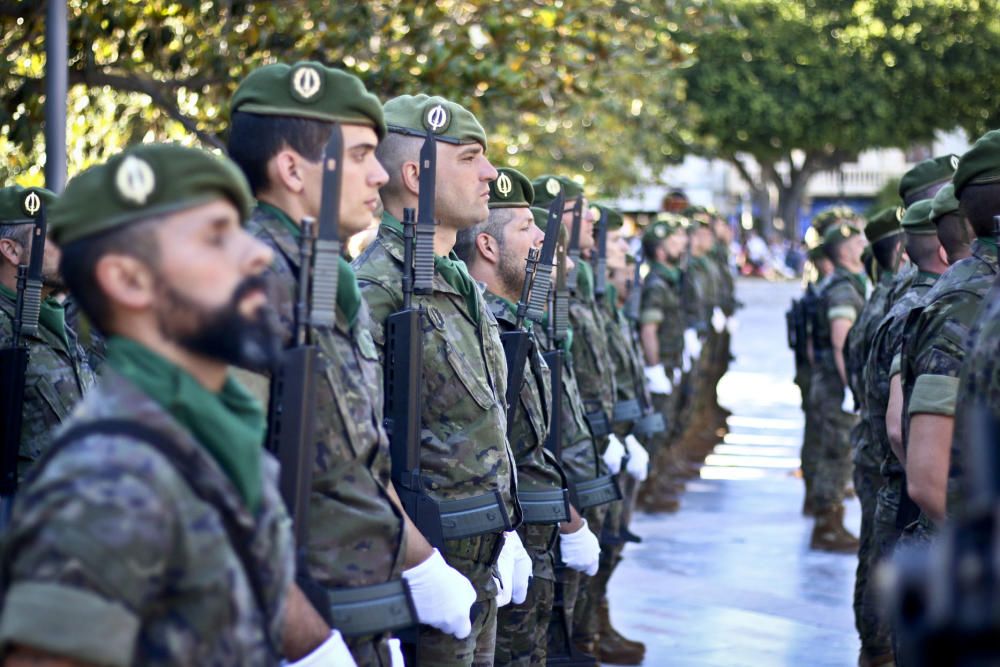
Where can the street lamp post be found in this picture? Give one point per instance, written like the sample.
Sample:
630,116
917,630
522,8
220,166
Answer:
56,84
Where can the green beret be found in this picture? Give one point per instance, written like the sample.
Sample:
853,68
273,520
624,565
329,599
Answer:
917,219
416,114
21,205
883,224
944,202
144,181
927,173
981,164
826,218
542,222
659,230
511,189
614,216
838,233
309,90
547,187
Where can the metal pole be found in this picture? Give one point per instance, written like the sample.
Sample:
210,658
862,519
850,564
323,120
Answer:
56,88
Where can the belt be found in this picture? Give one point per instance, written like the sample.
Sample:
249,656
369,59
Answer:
650,424
626,411
596,492
372,610
598,420
544,507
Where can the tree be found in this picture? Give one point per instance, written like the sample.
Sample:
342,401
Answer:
552,82
802,86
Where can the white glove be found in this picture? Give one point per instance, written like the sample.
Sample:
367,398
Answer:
514,566
678,374
657,381
441,595
613,454
718,320
580,550
396,653
685,361
331,653
732,324
848,405
692,344
638,458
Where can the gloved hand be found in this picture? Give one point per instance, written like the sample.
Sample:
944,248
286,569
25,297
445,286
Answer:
580,550
692,344
514,566
331,653
396,653
441,595
613,454
718,320
657,381
678,375
848,405
732,324
638,458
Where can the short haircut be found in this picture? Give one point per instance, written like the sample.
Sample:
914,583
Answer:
254,139
494,225
393,151
886,252
649,246
18,233
80,257
831,248
953,233
922,249
980,204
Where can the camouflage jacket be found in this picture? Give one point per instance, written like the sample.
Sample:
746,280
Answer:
590,359
112,544
841,296
57,378
537,468
885,345
935,344
355,531
630,382
727,282
860,336
700,284
464,443
661,305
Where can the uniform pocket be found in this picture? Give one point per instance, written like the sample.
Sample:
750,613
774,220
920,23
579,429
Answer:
469,378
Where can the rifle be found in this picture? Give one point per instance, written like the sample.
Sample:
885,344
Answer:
601,261
634,300
517,343
573,251
14,359
292,401
538,302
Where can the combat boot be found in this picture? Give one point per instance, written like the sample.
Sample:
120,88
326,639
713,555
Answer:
829,533
612,646
883,660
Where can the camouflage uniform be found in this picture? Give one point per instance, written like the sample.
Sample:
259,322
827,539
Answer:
661,305
463,440
934,347
58,376
356,535
803,378
697,298
522,628
866,458
111,544
885,344
841,297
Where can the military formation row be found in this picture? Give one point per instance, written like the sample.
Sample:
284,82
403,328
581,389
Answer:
463,415
894,343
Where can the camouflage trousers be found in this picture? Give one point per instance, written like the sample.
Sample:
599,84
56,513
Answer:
590,590
477,650
522,628
574,589
810,441
867,481
885,536
369,651
833,431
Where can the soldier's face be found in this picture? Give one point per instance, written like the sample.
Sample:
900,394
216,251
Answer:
363,175
520,236
210,294
621,278
617,250
675,245
463,190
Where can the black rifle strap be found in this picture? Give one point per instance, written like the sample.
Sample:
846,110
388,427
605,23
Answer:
186,464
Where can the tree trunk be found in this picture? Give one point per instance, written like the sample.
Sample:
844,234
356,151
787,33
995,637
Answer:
761,198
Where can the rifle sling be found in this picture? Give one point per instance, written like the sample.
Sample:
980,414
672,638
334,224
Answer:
594,492
372,610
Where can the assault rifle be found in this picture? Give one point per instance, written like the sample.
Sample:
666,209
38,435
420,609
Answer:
573,251
601,261
14,359
538,301
634,300
517,343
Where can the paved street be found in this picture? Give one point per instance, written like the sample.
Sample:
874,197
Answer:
729,580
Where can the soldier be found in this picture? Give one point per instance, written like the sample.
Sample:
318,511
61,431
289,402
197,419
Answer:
661,332
464,447
495,253
934,349
58,373
885,241
359,536
840,304
152,532
592,368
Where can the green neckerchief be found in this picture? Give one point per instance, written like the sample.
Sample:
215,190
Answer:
671,273
51,314
512,309
451,268
585,279
229,424
611,298
348,292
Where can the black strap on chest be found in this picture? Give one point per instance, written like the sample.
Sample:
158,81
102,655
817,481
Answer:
186,464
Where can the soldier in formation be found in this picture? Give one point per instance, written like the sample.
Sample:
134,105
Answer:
473,516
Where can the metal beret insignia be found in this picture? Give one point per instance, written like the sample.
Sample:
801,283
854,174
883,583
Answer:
900,211
135,180
954,162
307,83
437,119
32,204
552,187
504,185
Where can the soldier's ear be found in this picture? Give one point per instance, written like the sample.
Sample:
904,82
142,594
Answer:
10,250
488,247
126,281
285,171
410,175
943,255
